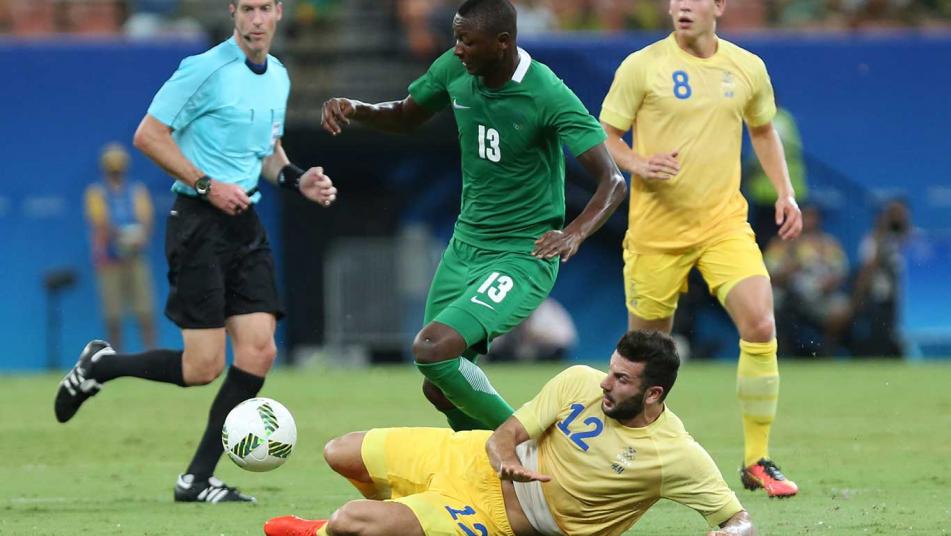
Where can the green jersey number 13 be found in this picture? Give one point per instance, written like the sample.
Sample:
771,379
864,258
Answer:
489,144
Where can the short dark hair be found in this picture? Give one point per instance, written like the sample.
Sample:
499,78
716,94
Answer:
236,2
659,354
491,16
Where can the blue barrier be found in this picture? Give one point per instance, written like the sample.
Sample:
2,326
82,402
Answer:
869,108
64,101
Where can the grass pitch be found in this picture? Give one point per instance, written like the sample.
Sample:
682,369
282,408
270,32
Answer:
867,442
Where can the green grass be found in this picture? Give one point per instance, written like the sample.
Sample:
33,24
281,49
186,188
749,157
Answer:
867,442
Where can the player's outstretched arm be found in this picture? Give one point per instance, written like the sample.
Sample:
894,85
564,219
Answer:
501,450
395,116
610,194
738,525
769,150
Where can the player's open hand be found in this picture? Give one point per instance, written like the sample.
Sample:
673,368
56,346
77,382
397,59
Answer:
228,198
317,187
336,114
788,217
562,244
519,473
660,167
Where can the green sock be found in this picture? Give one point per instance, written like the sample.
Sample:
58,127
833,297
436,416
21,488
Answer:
468,388
460,422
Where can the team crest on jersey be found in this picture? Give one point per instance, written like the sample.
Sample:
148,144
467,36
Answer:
728,84
624,460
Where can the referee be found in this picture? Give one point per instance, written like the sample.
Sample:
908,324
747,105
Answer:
216,127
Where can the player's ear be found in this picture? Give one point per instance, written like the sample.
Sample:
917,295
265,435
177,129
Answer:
654,395
719,6
504,42
231,9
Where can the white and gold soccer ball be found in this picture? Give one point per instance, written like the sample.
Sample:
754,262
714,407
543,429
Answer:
259,434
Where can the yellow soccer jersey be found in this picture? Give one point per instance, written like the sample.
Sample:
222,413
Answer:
679,102
606,475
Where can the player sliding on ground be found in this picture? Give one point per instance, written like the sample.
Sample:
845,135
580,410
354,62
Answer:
589,455
686,98
513,115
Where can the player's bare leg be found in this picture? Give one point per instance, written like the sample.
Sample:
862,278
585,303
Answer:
438,349
252,341
356,518
750,305
663,325
344,455
203,357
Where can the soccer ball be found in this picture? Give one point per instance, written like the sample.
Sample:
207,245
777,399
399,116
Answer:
259,434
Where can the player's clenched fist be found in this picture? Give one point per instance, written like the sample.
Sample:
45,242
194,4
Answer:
336,114
317,187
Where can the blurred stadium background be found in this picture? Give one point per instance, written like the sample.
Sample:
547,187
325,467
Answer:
862,80
863,84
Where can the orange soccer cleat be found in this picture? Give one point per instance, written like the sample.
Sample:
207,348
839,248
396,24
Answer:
765,474
292,526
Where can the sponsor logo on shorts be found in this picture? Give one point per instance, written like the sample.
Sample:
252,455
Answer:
480,302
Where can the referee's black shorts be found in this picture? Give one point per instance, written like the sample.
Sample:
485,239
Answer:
218,265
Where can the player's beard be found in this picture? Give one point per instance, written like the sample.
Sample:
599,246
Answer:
626,409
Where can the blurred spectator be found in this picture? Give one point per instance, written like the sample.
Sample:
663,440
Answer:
548,334
878,283
32,17
93,17
534,17
808,276
424,22
311,12
743,15
759,190
121,216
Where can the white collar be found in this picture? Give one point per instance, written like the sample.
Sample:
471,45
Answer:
524,62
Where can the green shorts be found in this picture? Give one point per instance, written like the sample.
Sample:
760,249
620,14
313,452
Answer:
483,294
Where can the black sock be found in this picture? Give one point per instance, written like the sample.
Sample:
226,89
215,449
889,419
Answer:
237,387
156,365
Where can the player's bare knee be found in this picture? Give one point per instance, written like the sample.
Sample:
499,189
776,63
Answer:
339,453
256,358
202,368
425,350
348,520
760,328
344,456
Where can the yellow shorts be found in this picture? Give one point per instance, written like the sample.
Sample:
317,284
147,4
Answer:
444,477
653,282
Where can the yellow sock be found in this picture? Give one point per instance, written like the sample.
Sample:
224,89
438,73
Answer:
322,531
757,388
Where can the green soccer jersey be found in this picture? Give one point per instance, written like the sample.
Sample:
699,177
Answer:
513,168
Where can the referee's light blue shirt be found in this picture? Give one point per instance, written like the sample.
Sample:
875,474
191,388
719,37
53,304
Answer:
225,118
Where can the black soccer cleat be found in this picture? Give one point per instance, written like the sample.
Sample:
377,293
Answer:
187,489
77,386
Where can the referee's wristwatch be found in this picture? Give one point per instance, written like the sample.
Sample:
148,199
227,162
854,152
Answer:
203,186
